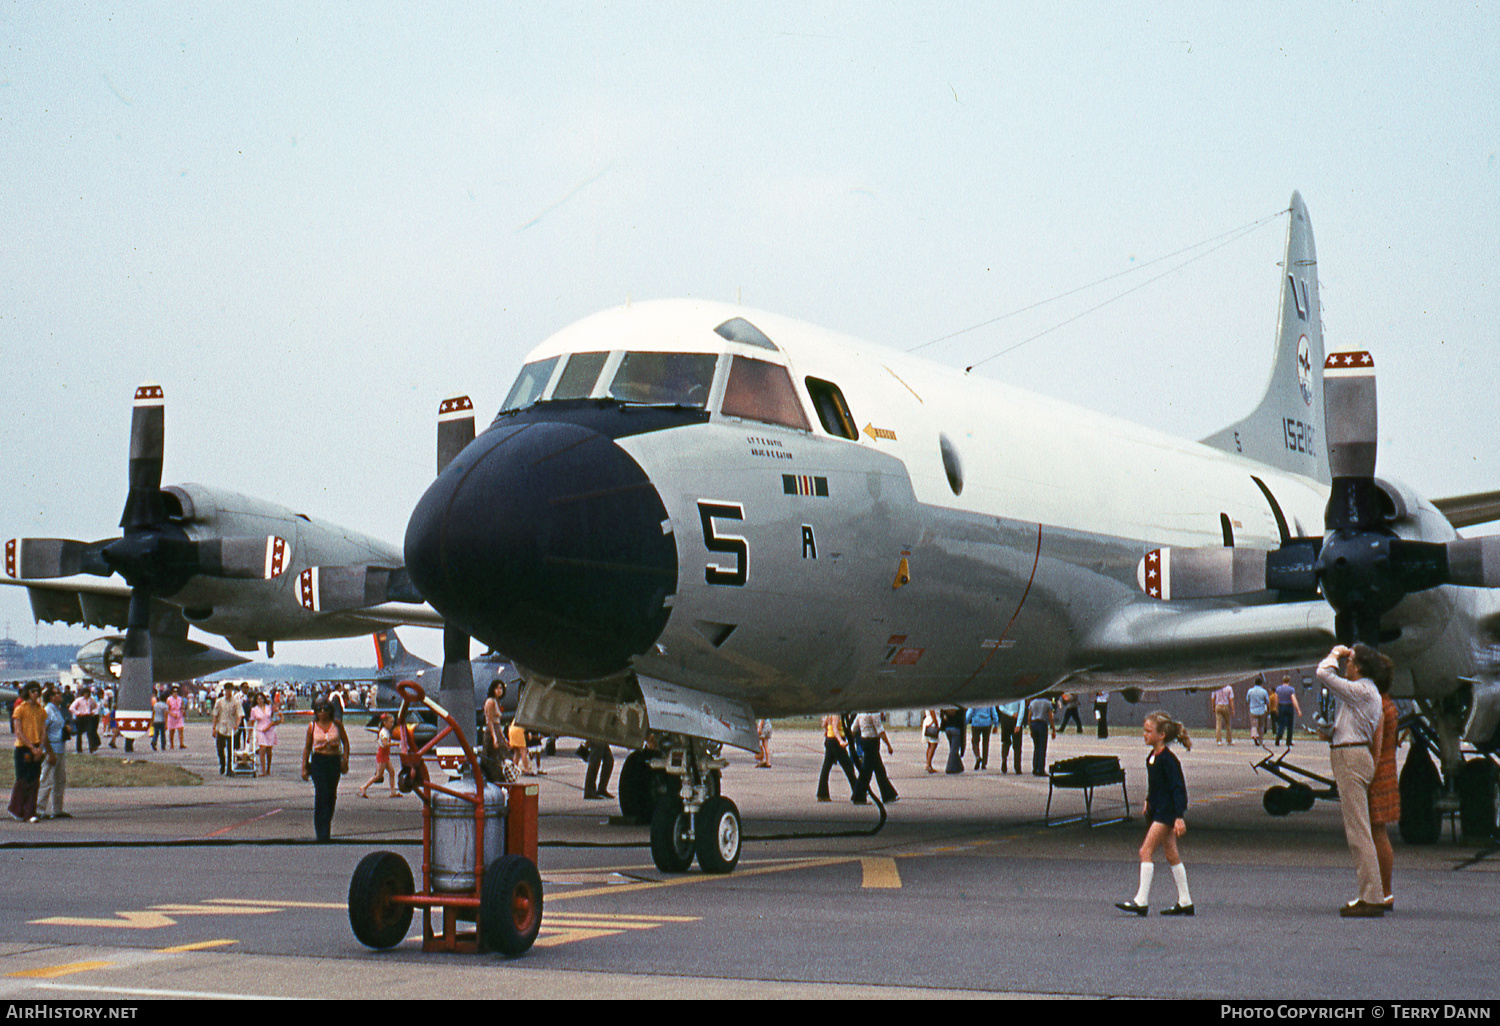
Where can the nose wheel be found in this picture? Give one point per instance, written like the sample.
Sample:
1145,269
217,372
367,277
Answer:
696,821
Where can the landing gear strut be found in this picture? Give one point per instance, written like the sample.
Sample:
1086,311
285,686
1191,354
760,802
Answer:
694,820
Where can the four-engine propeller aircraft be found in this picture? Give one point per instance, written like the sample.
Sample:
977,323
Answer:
193,555
688,515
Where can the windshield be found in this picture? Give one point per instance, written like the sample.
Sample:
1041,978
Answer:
664,379
528,387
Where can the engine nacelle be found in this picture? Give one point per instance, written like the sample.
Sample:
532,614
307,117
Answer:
173,659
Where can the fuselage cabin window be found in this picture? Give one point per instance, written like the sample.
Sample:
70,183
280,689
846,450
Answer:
833,412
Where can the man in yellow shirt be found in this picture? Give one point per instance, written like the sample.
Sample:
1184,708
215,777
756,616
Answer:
31,721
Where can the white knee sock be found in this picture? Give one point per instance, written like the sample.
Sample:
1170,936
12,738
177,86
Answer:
1148,869
1179,874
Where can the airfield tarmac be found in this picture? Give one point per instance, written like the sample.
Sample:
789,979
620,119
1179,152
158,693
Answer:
217,891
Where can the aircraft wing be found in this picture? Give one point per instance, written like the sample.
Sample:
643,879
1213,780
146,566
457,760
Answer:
1468,510
80,599
65,598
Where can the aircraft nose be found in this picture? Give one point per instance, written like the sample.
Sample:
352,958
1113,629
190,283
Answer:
547,541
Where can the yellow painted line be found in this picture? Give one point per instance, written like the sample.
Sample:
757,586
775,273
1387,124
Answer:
593,923
880,873
199,946
624,917
49,972
213,910
262,902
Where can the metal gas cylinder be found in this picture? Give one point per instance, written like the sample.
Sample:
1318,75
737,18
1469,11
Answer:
453,834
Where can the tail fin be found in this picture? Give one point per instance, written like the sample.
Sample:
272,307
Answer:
391,655
1286,429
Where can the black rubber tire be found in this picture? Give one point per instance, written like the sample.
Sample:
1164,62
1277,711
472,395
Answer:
1421,823
377,922
671,848
1277,800
1302,798
1476,785
717,838
510,905
641,787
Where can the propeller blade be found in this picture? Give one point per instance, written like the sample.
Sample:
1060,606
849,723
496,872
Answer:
143,504
1349,399
333,589
455,429
40,558
1475,562
1187,573
457,687
136,668
262,558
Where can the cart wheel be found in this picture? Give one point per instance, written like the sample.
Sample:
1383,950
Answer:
510,905
1302,798
671,837
717,839
376,920
1277,800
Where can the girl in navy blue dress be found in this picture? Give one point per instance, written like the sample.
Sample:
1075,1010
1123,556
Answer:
1166,805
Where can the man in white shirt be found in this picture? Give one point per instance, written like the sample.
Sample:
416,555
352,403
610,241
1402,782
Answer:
1353,752
1223,709
871,732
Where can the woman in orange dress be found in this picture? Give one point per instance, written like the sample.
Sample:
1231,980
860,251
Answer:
1385,797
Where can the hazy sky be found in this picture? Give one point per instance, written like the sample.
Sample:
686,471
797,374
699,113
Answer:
311,222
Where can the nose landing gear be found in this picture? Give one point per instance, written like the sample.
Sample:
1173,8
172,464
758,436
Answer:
696,820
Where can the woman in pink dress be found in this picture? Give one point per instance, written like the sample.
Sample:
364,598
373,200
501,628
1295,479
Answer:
175,720
264,719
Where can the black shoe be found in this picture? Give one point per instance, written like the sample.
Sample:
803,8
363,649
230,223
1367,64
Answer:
1178,909
1130,906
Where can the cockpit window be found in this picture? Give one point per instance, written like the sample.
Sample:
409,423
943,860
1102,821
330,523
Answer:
579,376
759,390
664,379
528,387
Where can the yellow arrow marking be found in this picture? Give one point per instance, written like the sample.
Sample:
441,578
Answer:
876,433
126,921
566,927
49,972
880,872
547,939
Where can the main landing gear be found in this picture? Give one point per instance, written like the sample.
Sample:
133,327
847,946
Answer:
1471,787
675,788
